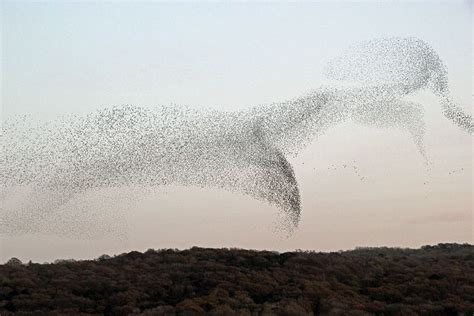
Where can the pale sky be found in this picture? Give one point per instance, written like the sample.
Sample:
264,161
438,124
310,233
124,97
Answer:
60,58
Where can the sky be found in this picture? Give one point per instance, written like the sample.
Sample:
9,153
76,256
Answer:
59,58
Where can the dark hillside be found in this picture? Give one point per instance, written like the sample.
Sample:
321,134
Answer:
433,280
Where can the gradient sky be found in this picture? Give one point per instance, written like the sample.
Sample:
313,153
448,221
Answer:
60,58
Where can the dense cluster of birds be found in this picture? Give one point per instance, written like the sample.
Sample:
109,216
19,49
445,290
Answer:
46,166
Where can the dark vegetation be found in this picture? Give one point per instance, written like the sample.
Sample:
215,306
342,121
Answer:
433,280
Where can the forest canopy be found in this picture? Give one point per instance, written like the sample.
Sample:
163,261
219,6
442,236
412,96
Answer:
434,280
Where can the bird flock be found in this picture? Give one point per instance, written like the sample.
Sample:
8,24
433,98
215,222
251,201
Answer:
48,168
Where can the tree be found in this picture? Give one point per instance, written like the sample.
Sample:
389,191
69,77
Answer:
104,257
14,262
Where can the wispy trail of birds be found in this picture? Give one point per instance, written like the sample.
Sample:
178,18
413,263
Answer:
47,166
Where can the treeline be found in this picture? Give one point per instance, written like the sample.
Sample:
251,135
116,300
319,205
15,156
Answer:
433,280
